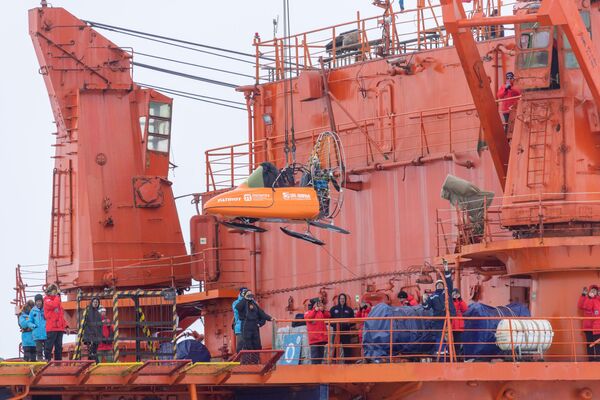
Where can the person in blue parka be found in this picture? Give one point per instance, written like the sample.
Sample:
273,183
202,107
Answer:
237,323
27,326
39,331
436,302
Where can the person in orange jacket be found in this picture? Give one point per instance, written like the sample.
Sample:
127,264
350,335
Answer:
586,304
55,322
406,299
317,330
458,323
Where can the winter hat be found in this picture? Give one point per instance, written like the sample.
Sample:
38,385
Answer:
101,310
38,297
438,281
510,75
402,295
52,287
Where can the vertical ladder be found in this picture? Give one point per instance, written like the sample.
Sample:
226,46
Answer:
538,136
55,228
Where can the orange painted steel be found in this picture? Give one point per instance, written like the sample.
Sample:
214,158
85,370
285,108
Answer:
111,194
407,117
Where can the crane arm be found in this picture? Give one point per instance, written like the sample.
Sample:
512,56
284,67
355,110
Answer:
479,85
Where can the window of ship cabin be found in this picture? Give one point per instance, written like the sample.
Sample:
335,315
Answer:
570,59
158,126
534,44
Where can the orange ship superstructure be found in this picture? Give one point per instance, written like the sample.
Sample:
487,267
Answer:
410,109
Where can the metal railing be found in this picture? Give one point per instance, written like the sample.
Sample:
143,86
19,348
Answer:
516,217
405,137
391,33
392,339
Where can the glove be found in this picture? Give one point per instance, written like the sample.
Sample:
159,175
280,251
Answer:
445,263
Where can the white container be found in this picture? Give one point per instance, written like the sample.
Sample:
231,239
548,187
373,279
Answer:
528,335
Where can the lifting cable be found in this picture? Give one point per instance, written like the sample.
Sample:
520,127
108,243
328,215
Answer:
291,88
194,96
193,65
184,75
161,39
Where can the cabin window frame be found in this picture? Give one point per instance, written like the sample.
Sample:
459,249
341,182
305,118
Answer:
158,127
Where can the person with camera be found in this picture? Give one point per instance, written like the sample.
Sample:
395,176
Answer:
507,95
252,318
317,330
436,302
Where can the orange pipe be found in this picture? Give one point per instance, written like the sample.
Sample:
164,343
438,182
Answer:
23,395
193,392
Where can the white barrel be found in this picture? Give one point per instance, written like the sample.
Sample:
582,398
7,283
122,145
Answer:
528,335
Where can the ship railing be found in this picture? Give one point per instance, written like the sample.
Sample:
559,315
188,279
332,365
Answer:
408,138
32,278
389,34
516,217
434,339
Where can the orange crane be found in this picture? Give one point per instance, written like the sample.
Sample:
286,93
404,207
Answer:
551,13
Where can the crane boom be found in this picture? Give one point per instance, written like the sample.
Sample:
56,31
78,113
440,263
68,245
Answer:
479,85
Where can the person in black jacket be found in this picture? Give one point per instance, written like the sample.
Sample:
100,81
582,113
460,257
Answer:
252,317
437,303
92,331
342,310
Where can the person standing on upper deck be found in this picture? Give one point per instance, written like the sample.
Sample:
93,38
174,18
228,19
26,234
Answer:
252,317
27,326
406,300
508,92
55,322
595,302
437,303
586,304
342,310
39,332
237,323
458,324
317,330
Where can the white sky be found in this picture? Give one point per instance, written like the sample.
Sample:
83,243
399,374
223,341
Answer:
25,151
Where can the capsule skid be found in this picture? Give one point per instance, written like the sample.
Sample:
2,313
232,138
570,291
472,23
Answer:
299,203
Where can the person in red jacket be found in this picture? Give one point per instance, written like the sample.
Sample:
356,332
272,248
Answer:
55,322
105,345
508,91
595,303
586,304
458,323
406,299
317,330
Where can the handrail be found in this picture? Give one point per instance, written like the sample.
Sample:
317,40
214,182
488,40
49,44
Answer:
349,42
501,219
564,335
441,128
